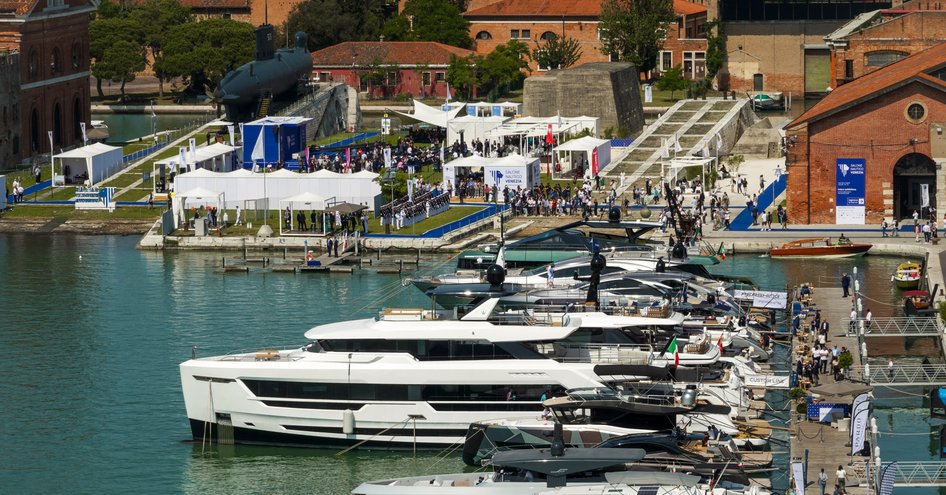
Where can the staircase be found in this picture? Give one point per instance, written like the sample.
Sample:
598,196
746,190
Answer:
263,109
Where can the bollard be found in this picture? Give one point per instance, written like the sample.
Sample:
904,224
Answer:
857,286
418,257
400,266
223,261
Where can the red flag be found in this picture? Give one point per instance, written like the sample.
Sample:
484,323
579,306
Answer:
549,139
676,359
720,344
594,161
347,157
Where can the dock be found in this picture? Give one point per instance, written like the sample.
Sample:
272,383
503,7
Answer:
827,445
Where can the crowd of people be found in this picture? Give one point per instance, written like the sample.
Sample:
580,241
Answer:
331,221
426,199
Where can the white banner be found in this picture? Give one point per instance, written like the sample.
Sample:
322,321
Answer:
766,381
887,479
859,426
84,138
192,144
763,299
387,157
232,131
925,191
798,473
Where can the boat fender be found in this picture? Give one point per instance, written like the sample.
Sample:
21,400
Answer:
348,422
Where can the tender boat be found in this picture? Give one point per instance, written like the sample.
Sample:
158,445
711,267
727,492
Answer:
821,247
917,302
908,275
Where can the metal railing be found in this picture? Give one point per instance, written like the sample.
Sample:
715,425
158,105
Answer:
896,327
910,473
903,376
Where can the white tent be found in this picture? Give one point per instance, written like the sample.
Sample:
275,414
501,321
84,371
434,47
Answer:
470,128
593,153
195,197
462,166
676,164
512,171
433,116
95,162
301,201
218,157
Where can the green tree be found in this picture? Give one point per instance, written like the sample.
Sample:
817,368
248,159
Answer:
634,30
715,48
430,20
329,22
110,42
501,70
202,52
672,80
156,18
557,53
461,74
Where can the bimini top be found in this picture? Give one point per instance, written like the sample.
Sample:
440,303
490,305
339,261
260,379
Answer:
419,324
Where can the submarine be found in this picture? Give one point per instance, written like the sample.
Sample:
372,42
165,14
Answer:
275,72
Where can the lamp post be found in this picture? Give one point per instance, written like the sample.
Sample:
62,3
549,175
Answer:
154,129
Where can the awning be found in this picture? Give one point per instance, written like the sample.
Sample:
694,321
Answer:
346,208
430,115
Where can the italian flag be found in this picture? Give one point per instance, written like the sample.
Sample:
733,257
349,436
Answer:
673,348
721,252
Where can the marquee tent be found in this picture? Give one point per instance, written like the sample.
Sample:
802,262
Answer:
95,162
302,201
512,171
243,185
684,162
593,153
462,166
434,116
469,128
273,139
195,197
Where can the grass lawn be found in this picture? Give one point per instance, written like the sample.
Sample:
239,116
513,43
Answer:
452,214
663,99
129,212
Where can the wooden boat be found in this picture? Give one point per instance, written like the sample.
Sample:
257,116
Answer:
908,275
820,247
916,302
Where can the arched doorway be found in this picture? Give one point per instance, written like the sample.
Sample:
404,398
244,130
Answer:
57,124
76,120
34,130
909,175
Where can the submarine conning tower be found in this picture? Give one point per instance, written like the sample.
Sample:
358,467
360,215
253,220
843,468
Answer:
265,44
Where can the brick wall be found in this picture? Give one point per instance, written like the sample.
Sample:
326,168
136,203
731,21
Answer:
876,130
909,34
409,81
500,32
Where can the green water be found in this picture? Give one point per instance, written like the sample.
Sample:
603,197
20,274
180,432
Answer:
92,332
124,127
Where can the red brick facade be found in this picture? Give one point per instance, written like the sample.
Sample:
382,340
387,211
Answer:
53,42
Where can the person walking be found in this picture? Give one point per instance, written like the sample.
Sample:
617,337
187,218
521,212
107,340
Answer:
846,284
822,481
883,227
867,319
840,474
896,227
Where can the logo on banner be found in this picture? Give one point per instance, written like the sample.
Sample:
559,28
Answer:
497,176
850,191
843,168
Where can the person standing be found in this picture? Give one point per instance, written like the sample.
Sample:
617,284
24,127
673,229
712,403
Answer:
237,216
846,284
867,319
883,227
896,227
853,324
840,474
822,481
364,223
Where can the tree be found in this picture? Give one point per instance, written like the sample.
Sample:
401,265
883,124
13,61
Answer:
329,22
110,45
156,18
430,20
715,48
202,52
634,30
501,70
672,80
461,73
557,53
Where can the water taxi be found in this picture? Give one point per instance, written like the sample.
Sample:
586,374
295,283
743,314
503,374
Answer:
820,247
908,275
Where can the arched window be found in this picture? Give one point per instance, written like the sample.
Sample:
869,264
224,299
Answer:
76,55
57,124
884,57
484,35
54,62
76,119
33,66
34,130
548,35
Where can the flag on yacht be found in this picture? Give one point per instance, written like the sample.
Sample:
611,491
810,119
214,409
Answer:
673,348
719,343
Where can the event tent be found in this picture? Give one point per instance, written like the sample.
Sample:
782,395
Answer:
217,157
594,153
243,185
513,171
434,116
196,197
468,128
301,201
97,161
684,162
486,109
462,166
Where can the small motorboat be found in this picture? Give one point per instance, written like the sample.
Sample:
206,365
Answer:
916,302
820,247
908,275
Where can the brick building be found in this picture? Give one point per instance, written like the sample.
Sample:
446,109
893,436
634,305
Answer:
238,10
876,39
495,22
52,39
418,68
894,119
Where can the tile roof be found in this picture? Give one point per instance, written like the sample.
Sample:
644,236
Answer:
914,67
559,8
387,52
216,4
18,7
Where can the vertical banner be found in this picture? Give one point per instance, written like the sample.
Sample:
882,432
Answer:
648,93
859,426
387,157
192,145
798,473
232,130
887,479
182,158
497,111
85,139
925,193
594,161
849,191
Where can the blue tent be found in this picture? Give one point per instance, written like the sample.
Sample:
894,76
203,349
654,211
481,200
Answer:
281,138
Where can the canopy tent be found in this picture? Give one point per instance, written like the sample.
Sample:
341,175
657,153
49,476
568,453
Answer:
273,139
485,109
676,164
462,166
194,197
217,157
345,208
95,162
243,185
302,201
434,116
468,128
513,171
533,132
592,153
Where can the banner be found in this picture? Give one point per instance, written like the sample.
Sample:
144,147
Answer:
849,191
859,426
85,139
648,93
192,144
798,474
182,158
496,111
232,131
766,381
763,298
594,161
887,479
387,157
925,192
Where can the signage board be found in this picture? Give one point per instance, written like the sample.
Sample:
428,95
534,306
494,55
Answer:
763,298
849,191
766,381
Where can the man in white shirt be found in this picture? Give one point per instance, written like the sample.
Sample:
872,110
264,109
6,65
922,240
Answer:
853,320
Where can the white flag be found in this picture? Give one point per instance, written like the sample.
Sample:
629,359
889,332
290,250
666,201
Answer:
719,143
925,190
259,149
182,157
232,130
664,148
676,144
798,473
192,144
706,149
859,426
387,157
85,139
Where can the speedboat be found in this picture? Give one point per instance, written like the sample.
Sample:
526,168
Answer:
908,275
821,247
917,302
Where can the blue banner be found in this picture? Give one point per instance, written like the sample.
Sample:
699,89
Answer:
849,190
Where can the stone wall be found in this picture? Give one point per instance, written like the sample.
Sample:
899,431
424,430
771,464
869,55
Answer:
607,90
10,129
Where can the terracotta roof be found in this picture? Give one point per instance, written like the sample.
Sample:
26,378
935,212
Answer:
386,52
18,7
559,8
216,4
914,67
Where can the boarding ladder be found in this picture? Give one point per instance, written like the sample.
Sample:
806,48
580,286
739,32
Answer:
264,102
